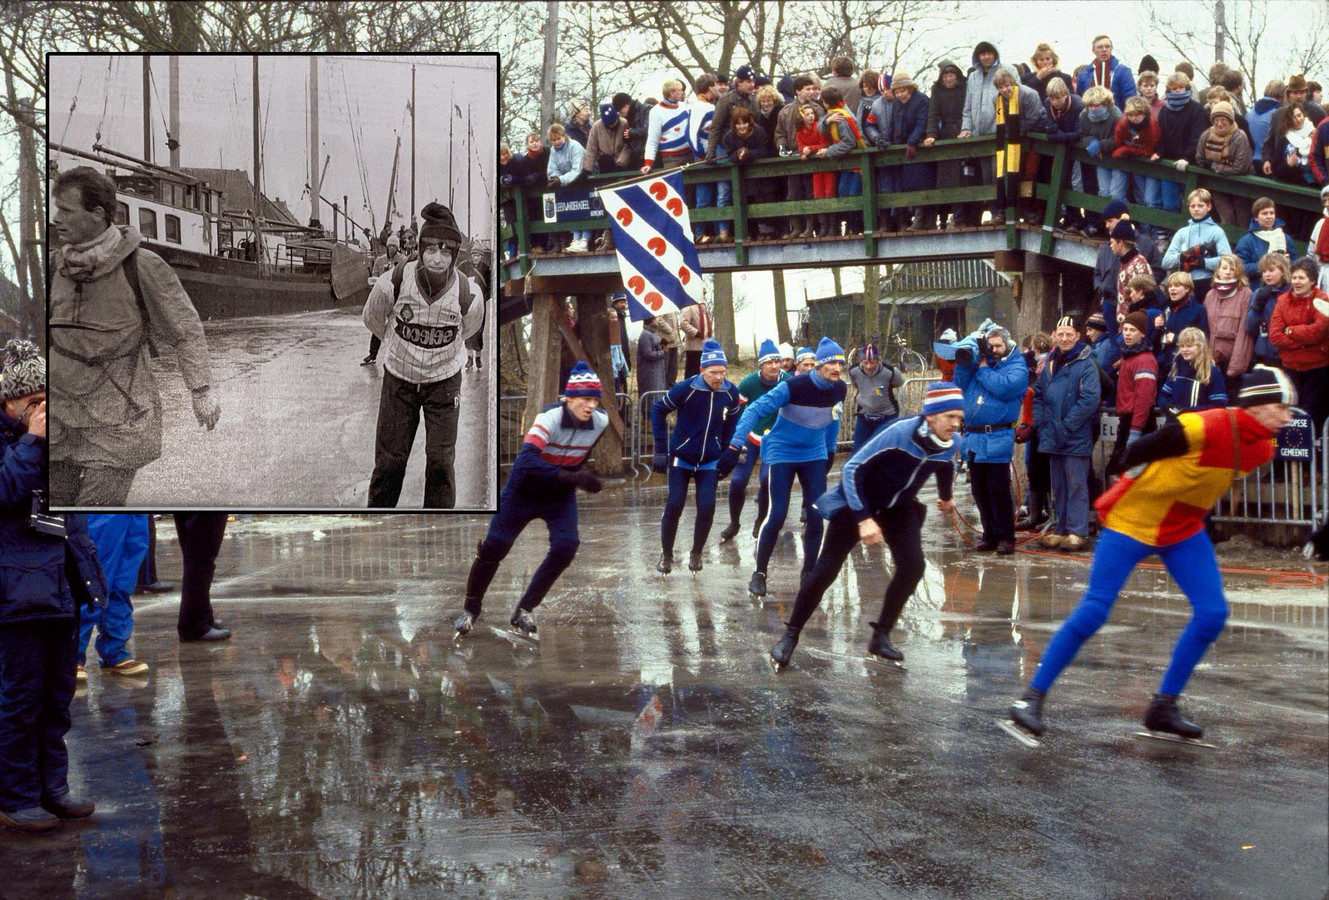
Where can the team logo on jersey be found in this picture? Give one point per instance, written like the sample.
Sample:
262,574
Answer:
428,336
406,314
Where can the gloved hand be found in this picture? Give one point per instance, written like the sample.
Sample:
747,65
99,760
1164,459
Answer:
205,408
1093,148
1192,259
553,184
725,464
505,180
588,481
910,151
1023,432
1180,165
660,463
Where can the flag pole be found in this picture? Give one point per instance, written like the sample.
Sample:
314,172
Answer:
654,173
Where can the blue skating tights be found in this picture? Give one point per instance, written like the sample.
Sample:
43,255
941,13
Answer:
707,480
1191,563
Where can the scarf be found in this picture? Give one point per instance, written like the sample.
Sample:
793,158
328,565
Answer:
1218,149
853,126
1276,240
1059,357
1097,113
1103,73
83,262
1224,289
1177,100
1300,139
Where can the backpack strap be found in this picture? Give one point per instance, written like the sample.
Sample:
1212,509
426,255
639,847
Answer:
130,266
398,272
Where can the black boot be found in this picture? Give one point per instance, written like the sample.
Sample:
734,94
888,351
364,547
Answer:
729,532
666,563
1037,513
757,586
881,645
523,623
1027,712
784,649
1163,715
477,582
464,623
694,561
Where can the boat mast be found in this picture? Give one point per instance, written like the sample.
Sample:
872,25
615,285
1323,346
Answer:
451,110
147,108
392,184
173,139
315,178
258,203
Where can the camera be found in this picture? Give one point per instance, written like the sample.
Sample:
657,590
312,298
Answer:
42,521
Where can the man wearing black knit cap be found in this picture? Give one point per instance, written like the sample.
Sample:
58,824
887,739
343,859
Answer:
423,310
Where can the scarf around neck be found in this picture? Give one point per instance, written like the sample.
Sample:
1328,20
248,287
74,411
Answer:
1218,148
1300,139
1224,289
1177,100
1276,240
1103,73
85,261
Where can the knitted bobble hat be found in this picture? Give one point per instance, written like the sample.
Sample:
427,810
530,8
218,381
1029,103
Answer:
582,382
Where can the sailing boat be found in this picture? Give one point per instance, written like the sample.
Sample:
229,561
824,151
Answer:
236,252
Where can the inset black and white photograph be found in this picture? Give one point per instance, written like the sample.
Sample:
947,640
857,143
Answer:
269,281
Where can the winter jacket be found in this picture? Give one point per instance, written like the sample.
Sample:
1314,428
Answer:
877,123
1180,130
35,571
980,95
1137,383
1066,398
516,172
1183,392
1275,153
864,106
639,123
1064,127
724,109
666,328
847,86
992,396
1259,120
946,106
751,388
699,125
789,122
1300,331
697,325
1231,346
557,443
769,121
576,132
1190,313
1134,142
1241,155
1258,318
758,145
424,337
1104,132
104,400
886,473
874,395
1033,118
1252,246
1320,153
1123,82
807,420
1106,354
1129,266
845,136
1206,233
651,360
1040,85
538,168
606,149
705,421
565,162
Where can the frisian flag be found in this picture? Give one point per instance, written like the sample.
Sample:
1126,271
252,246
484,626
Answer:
653,238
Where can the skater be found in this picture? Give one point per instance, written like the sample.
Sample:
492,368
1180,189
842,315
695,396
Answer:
874,395
708,408
542,485
423,310
769,373
801,443
875,503
1172,478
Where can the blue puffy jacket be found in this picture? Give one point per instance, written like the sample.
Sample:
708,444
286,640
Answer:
1183,392
1251,247
1066,404
1106,353
706,420
35,569
1258,316
1190,314
992,396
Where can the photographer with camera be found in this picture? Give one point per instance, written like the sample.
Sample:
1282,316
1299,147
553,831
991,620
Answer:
48,568
991,371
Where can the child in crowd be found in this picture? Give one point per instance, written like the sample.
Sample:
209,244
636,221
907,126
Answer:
811,142
1195,381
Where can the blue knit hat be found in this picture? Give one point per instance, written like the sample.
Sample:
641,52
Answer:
829,351
712,354
943,396
582,382
802,352
608,114
768,352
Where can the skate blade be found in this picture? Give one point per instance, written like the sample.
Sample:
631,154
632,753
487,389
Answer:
1173,739
515,638
870,663
877,664
1015,731
775,667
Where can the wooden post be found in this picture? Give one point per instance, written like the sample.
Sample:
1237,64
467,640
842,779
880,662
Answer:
871,302
781,307
724,313
543,387
593,346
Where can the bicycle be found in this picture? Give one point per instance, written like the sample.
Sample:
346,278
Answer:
908,360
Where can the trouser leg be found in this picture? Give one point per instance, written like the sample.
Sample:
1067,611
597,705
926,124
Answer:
440,403
201,536
707,481
678,497
514,514
398,419
22,673
841,536
781,478
105,486
738,482
53,722
903,535
561,518
812,480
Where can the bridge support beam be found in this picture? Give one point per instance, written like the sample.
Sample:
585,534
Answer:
593,328
1049,289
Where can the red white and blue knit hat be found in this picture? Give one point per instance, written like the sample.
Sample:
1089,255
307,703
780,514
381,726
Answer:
943,396
870,352
1265,384
582,382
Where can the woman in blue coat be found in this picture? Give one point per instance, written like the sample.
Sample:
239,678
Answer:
46,573
1066,400
994,378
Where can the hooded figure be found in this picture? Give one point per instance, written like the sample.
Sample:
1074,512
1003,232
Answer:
980,98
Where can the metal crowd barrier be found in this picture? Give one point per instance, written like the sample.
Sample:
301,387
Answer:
511,432
909,397
1286,492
